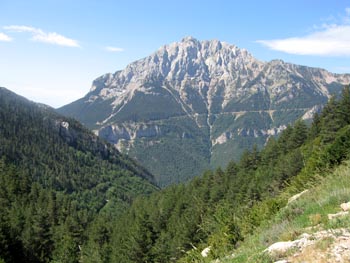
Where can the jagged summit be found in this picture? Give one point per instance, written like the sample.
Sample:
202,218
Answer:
197,100
189,39
208,62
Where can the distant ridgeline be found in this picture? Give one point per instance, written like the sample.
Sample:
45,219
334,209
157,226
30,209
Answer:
57,180
195,105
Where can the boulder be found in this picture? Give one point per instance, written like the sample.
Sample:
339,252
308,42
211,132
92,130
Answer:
345,206
280,247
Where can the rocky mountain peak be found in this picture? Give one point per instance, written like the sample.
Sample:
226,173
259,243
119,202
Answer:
190,39
205,62
210,97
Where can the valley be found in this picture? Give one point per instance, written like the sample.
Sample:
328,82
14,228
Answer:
69,196
174,132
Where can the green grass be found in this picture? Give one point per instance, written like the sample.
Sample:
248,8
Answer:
307,214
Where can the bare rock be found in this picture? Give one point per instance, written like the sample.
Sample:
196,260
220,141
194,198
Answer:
297,196
332,245
280,247
205,252
340,214
345,206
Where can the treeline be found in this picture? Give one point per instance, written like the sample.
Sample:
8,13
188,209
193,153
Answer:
72,204
209,210
55,178
220,208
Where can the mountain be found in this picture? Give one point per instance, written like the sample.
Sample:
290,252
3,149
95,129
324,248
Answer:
65,198
235,214
57,180
35,133
195,104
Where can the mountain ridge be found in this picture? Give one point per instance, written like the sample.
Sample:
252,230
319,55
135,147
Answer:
64,131
224,100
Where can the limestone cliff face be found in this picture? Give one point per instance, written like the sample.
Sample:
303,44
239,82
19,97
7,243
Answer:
207,100
215,73
125,131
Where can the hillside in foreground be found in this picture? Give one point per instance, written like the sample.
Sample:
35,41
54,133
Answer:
313,228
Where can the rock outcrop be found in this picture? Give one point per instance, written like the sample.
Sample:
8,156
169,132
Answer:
345,206
323,246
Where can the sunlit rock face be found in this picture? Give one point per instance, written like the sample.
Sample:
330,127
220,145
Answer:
194,105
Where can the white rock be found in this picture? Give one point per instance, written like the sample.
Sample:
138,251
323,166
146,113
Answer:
205,252
345,206
281,247
65,125
295,197
340,214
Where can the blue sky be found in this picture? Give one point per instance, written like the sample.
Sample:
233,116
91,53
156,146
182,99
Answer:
51,50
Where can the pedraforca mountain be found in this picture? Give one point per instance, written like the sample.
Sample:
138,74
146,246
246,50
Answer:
195,104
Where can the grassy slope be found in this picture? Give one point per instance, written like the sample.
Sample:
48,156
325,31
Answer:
307,214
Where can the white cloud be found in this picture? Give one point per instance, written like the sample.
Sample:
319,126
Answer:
5,38
114,49
56,39
329,40
23,29
45,37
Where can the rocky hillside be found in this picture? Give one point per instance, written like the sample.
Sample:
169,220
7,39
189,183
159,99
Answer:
193,105
312,227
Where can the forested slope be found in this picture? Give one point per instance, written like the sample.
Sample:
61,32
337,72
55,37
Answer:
223,207
56,178
47,216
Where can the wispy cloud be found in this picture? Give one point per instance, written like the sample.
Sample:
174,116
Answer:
57,39
328,40
46,37
114,49
5,38
22,29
